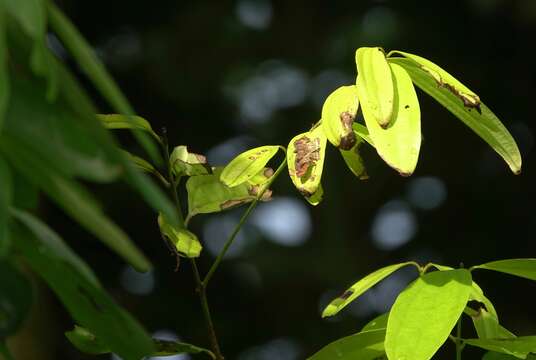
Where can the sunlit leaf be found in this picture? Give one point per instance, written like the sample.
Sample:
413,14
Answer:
360,287
184,241
186,163
305,158
525,268
247,165
118,121
16,297
6,198
424,314
338,114
366,345
74,200
79,291
379,322
363,133
354,161
484,123
85,341
518,347
207,194
478,295
487,326
375,84
399,143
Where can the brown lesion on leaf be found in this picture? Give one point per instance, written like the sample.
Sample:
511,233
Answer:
231,203
268,172
348,140
307,154
346,294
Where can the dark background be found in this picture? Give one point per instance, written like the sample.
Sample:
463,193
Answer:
225,76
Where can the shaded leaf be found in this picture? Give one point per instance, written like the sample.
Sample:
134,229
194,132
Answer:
491,355
360,287
77,288
305,158
525,268
379,322
478,295
354,161
366,345
338,114
185,242
375,85
246,165
145,166
167,348
399,143
118,121
487,326
484,123
362,132
518,347
16,298
186,163
30,14
424,314
85,341
6,198
4,73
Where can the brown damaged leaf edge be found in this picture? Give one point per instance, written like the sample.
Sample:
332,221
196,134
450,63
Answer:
254,191
469,101
307,154
231,203
348,140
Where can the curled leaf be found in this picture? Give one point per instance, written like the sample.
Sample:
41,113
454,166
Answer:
118,121
353,160
186,163
247,165
185,242
338,114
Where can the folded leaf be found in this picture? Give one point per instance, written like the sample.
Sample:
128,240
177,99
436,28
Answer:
399,143
362,132
183,163
247,165
375,84
118,121
360,287
366,345
353,160
185,242
305,157
338,114
484,123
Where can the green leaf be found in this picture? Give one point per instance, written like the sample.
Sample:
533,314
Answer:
366,345
30,14
74,200
6,198
207,194
424,314
478,295
379,322
186,163
85,341
525,268
400,142
145,166
518,347
16,296
79,291
4,73
95,71
354,161
484,123
498,356
338,114
184,241
362,132
247,165
360,287
305,158
118,121
167,348
375,85
487,326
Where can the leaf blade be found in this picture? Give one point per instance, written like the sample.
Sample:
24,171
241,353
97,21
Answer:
338,114
365,345
525,268
246,165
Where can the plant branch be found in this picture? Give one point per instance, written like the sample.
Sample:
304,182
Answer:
458,342
242,221
4,351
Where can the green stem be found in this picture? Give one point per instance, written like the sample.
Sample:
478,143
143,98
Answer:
4,351
459,345
242,221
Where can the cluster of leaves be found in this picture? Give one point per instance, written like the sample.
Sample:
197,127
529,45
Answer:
424,314
51,141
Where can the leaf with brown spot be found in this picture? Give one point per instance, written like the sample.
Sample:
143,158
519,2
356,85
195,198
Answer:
338,114
186,163
247,165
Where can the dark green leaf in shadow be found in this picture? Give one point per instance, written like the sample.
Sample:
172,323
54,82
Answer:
4,74
367,345
15,298
518,347
6,198
167,348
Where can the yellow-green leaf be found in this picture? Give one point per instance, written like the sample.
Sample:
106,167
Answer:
400,142
518,347
247,165
366,345
375,84
118,121
338,114
354,161
186,163
525,268
185,242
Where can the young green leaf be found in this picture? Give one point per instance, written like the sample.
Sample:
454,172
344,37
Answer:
362,132
207,194
478,295
375,85
424,314
518,347
443,79
379,322
305,158
484,123
354,161
85,341
338,114
487,326
247,165
6,198
16,298
360,287
366,345
400,142
525,268
78,290
186,163
118,121
4,73
184,241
